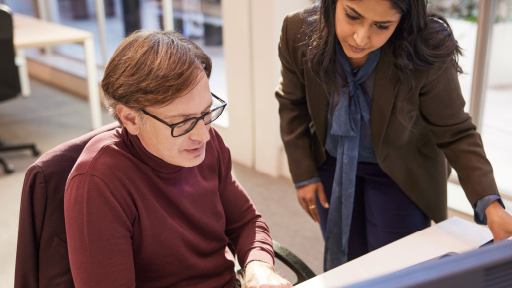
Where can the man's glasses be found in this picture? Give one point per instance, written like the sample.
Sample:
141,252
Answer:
185,126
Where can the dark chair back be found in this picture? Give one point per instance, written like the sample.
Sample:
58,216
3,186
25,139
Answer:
41,256
9,77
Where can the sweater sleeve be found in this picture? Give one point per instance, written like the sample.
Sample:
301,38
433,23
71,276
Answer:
245,228
99,234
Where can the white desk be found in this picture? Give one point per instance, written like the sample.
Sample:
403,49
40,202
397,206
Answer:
452,235
31,32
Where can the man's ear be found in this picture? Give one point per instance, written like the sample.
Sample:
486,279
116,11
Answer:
129,118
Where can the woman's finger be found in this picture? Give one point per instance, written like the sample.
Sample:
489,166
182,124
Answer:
321,196
314,212
311,206
309,211
303,204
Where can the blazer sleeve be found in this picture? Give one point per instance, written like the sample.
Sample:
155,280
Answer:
32,211
442,108
293,107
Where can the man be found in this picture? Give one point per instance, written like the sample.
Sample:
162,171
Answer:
154,204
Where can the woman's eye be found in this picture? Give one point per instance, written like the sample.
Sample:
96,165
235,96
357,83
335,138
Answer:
351,17
381,27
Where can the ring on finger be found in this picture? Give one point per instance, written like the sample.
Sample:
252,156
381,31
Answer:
312,207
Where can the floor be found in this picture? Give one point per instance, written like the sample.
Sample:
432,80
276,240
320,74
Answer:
50,117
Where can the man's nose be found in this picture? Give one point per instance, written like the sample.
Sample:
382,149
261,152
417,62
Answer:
200,132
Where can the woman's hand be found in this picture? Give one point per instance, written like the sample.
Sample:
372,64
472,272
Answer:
260,274
499,221
306,195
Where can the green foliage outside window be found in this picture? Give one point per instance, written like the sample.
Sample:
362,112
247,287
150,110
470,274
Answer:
468,9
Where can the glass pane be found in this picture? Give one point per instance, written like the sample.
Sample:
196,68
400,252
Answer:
497,118
201,21
20,6
462,16
81,14
151,14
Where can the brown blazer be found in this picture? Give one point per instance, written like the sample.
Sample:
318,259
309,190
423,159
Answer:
411,148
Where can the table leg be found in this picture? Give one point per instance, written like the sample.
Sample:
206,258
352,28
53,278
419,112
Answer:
100,18
92,83
167,15
21,62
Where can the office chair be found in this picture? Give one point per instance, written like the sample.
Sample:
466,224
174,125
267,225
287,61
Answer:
42,256
9,78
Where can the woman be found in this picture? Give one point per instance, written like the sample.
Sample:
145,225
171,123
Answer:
371,109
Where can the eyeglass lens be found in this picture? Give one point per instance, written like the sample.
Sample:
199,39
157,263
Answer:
187,126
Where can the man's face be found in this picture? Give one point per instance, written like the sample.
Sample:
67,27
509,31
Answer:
187,150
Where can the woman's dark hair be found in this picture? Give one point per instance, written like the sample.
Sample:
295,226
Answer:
419,41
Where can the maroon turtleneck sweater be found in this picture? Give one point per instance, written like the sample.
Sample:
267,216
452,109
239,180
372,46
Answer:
133,219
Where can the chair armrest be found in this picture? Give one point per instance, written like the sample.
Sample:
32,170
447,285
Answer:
293,262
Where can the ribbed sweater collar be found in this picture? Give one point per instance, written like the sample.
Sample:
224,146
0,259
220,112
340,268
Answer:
143,155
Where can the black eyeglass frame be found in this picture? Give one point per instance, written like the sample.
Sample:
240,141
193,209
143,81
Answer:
195,119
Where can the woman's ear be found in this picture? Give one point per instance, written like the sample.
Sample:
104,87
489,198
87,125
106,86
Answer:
129,119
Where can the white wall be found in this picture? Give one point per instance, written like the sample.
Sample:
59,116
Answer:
251,34
237,53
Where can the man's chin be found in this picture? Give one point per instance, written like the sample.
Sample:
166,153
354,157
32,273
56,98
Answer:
194,160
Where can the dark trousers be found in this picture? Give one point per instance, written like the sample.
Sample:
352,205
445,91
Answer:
382,213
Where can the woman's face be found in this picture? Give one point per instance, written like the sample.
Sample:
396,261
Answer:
363,26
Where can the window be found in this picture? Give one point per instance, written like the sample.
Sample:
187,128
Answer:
496,128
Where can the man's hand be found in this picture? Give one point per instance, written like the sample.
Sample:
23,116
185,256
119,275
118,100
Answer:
261,275
499,221
306,195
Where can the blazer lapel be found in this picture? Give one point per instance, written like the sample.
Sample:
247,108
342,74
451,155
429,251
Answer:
384,93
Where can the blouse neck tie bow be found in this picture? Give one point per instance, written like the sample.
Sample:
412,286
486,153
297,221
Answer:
354,105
